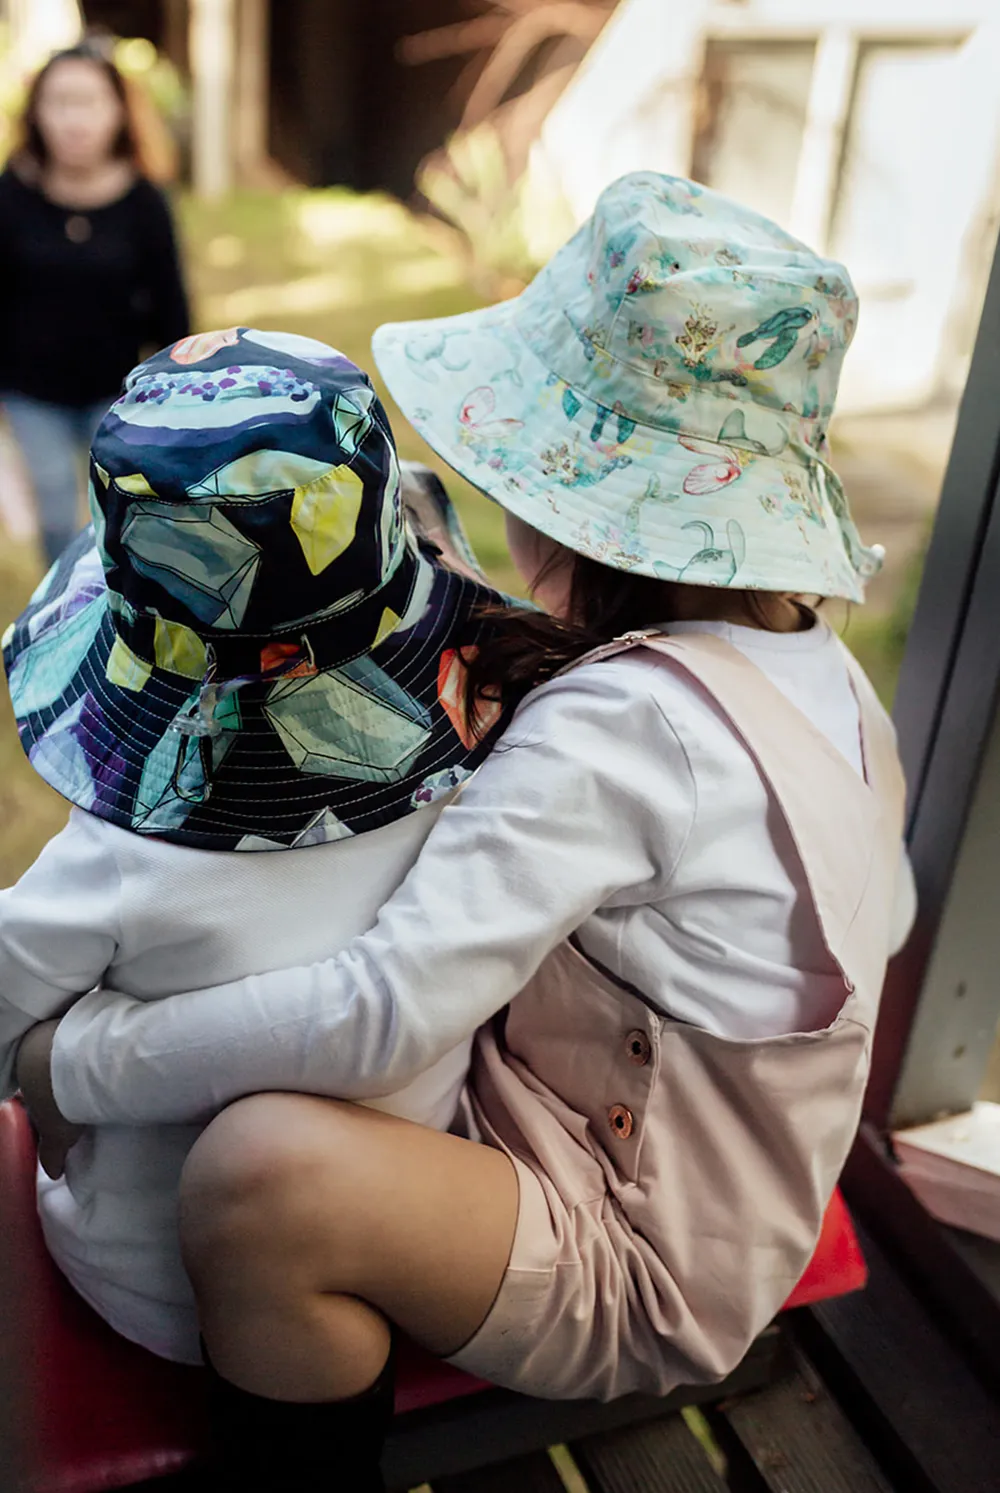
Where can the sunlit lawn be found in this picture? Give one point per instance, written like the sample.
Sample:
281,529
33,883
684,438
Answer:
332,266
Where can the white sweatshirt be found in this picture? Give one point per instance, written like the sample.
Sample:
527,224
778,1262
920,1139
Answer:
620,805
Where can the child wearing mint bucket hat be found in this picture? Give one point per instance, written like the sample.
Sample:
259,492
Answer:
658,399
664,906
247,679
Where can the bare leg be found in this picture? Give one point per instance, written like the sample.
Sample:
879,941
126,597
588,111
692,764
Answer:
308,1223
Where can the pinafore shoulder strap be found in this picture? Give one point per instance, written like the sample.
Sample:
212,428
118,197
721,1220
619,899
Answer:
843,826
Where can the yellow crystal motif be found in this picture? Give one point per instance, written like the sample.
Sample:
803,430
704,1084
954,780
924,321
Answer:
389,623
127,669
325,516
179,650
135,484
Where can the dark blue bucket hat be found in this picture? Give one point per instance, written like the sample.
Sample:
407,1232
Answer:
250,649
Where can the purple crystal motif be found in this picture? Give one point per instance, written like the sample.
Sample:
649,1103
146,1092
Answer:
108,767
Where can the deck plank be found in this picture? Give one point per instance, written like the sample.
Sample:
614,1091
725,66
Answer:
907,1387
800,1440
531,1474
659,1457
456,1437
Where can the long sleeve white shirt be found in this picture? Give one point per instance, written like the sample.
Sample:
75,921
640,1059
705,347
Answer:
104,905
621,805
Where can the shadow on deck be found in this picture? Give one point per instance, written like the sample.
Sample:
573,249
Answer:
865,1394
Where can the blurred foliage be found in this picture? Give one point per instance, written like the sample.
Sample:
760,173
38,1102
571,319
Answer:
878,639
137,58
12,92
509,228
521,55
468,184
514,48
160,106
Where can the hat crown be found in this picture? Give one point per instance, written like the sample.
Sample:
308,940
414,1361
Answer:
246,483
658,398
679,309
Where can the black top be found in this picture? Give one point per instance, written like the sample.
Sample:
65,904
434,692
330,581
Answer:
82,292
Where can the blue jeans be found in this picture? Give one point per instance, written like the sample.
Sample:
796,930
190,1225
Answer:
54,439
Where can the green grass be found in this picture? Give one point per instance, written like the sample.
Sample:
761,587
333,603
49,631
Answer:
331,265
878,640
30,812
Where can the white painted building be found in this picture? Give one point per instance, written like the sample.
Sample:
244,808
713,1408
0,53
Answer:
870,128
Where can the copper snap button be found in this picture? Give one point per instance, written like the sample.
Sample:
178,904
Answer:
638,1047
621,1121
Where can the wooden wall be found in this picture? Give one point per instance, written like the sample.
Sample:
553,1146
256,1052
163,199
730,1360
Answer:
344,109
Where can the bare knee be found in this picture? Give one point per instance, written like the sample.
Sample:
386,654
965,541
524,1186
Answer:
244,1196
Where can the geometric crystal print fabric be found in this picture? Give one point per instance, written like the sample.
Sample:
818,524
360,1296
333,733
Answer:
250,650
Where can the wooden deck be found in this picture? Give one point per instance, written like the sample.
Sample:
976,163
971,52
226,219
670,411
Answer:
791,1437
867,1395
788,1438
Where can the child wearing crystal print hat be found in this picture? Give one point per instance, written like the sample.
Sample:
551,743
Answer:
664,905
247,679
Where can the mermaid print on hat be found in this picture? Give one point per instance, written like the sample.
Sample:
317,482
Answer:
659,397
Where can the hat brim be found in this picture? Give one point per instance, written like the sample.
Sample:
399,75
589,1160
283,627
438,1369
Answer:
301,759
633,496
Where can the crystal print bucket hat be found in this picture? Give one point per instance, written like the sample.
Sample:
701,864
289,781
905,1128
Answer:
250,649
659,396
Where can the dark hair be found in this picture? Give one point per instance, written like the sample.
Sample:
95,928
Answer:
521,649
125,145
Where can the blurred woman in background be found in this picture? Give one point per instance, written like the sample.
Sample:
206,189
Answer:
89,273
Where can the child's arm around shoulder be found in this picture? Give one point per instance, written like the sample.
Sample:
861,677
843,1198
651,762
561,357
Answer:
589,798
59,929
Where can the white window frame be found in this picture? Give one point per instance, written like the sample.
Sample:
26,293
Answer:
831,97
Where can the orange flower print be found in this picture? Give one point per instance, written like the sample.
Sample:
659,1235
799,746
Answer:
201,345
451,693
275,655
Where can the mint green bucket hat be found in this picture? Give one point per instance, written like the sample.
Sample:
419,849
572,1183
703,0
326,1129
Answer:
658,398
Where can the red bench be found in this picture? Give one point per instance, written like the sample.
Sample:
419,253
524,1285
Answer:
104,1414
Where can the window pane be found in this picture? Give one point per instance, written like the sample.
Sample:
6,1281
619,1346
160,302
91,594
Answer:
887,214
911,220
754,103
883,197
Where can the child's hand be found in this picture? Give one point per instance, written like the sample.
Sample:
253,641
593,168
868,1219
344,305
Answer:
56,1136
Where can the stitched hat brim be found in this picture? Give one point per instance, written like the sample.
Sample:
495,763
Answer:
303,759
634,496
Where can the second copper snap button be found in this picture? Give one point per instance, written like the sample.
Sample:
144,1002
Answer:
638,1047
621,1121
